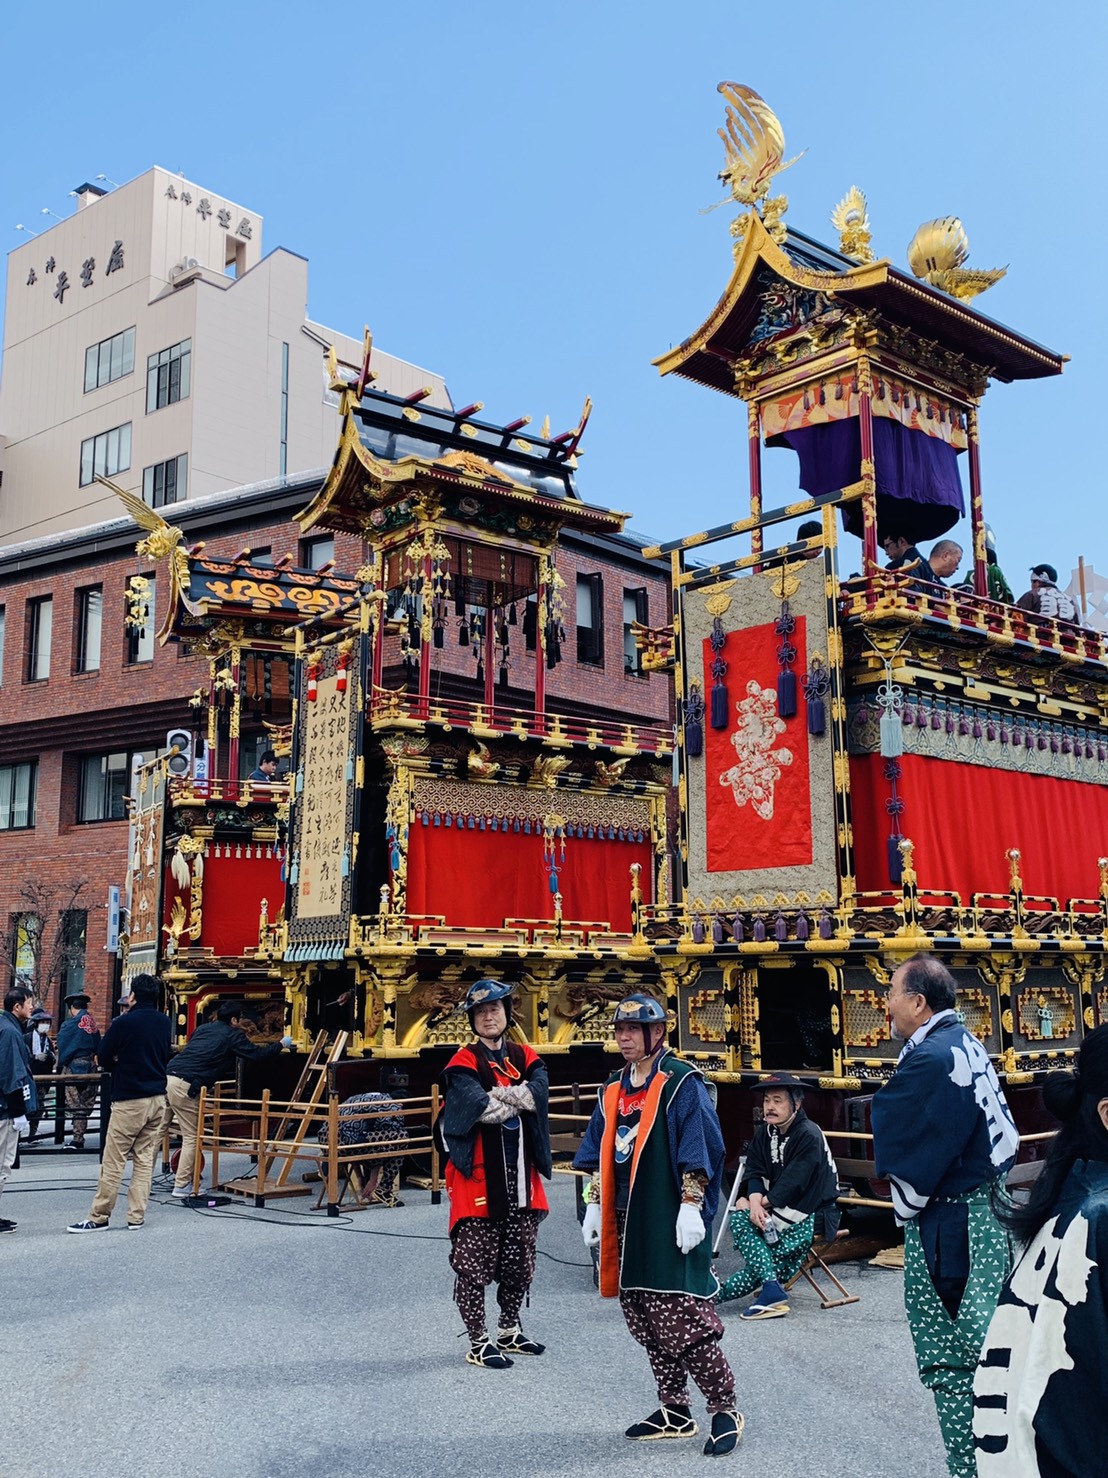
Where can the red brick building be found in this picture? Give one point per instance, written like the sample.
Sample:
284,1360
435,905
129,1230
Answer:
82,692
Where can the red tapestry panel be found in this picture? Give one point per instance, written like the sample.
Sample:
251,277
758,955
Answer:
963,818
477,879
233,891
757,799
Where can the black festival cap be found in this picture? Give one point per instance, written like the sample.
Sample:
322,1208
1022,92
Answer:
779,1080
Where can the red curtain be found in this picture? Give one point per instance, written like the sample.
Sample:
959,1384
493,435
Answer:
963,818
477,879
762,817
233,891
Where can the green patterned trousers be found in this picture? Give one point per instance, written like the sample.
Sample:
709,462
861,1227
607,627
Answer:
781,1261
947,1350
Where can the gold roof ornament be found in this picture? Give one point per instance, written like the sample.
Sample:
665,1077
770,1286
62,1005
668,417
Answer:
754,142
850,219
936,253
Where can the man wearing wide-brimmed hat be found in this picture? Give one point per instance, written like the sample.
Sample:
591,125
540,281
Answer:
789,1175
78,1044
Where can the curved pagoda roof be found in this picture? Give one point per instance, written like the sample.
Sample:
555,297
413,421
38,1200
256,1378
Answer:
708,355
391,448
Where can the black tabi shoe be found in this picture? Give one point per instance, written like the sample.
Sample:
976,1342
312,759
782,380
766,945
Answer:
727,1428
515,1342
6,1226
667,1421
484,1352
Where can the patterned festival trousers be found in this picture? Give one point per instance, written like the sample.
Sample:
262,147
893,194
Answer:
500,1252
681,1336
947,1349
80,1102
782,1261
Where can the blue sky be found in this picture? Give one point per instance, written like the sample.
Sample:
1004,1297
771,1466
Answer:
511,194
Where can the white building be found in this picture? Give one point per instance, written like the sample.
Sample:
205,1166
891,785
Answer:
148,338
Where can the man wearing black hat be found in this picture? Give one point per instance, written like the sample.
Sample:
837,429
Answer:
1044,597
655,1152
495,1128
78,1044
789,1175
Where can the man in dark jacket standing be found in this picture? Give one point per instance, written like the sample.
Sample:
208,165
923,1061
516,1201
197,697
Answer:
78,1045
210,1055
135,1050
17,1087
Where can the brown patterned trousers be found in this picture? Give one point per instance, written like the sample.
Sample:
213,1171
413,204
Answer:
681,1336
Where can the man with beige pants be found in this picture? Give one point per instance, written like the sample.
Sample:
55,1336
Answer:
209,1056
135,1050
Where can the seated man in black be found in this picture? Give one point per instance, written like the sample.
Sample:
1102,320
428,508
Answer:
906,558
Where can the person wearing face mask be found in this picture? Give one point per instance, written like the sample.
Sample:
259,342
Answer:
655,1152
943,1138
44,1059
495,1129
789,1175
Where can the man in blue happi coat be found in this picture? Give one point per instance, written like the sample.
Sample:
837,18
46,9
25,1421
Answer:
943,1135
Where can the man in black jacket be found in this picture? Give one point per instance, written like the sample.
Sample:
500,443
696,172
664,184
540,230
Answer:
135,1050
789,1175
210,1055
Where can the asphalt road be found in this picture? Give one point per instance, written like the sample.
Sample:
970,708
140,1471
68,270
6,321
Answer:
278,1343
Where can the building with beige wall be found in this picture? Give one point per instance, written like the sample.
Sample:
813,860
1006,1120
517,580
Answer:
147,337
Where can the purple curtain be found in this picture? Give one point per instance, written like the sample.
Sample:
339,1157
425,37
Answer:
919,491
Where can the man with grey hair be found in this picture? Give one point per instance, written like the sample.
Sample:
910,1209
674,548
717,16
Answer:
943,1135
944,559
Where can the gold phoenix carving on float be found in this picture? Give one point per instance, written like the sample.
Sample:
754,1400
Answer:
936,253
754,144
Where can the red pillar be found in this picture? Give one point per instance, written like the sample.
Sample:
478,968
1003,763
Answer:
754,449
425,643
540,655
490,653
977,513
868,469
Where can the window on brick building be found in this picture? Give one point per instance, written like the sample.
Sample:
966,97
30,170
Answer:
18,787
315,553
40,634
166,482
89,622
634,609
26,933
106,454
109,360
3,633
169,376
71,974
104,783
263,555
140,639
590,619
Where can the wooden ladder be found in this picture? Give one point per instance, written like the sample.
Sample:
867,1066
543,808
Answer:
297,1118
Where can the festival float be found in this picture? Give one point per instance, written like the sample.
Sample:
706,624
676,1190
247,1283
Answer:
867,764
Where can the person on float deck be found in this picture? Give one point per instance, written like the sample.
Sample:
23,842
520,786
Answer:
655,1152
496,1132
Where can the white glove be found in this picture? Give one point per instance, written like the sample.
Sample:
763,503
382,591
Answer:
590,1227
690,1227
286,1041
21,1125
